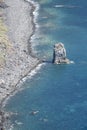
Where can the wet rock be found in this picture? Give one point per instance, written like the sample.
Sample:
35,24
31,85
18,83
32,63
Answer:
34,112
59,55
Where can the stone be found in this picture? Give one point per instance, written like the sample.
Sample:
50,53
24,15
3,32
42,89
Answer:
2,81
59,54
34,112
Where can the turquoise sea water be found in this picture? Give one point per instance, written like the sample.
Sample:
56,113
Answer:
57,92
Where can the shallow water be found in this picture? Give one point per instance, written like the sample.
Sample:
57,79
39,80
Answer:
57,92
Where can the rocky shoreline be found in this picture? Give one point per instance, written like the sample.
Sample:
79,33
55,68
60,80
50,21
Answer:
20,60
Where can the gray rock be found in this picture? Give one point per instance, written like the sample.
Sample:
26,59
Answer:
59,55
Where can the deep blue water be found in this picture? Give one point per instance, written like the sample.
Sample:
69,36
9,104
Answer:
57,92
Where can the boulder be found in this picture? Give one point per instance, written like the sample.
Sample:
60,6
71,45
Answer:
59,54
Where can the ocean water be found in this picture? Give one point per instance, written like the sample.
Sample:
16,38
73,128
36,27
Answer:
57,93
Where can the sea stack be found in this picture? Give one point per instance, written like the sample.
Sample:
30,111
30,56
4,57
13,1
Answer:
59,54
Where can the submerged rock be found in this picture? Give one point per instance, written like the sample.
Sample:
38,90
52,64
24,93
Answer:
59,55
34,112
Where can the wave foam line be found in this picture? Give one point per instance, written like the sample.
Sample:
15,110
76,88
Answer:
19,88
66,6
36,11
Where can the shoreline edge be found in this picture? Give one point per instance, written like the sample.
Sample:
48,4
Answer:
2,103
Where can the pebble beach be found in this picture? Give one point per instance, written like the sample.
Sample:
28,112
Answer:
20,60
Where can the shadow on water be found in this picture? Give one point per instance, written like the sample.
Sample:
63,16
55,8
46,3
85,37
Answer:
47,61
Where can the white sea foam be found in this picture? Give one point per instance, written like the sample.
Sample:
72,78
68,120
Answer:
18,122
33,72
72,62
35,14
66,6
35,36
36,11
59,6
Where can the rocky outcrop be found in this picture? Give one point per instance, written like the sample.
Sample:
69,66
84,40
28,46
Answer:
59,55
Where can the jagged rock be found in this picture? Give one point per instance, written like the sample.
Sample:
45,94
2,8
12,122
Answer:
59,55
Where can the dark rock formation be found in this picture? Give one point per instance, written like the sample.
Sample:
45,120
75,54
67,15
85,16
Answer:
59,55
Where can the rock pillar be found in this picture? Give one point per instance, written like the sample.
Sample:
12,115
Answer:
59,54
